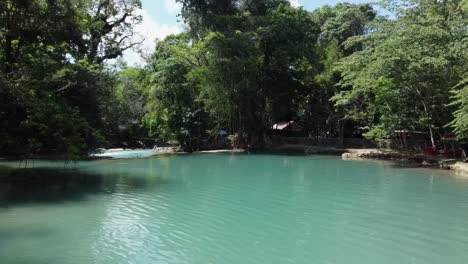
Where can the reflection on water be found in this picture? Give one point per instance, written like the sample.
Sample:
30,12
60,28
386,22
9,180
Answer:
231,209
127,154
53,185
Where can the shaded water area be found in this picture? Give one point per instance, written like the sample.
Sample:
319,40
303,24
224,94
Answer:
223,208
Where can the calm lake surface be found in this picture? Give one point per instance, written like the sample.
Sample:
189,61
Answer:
223,208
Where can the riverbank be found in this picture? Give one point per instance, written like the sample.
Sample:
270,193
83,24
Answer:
345,153
380,154
457,166
295,149
375,154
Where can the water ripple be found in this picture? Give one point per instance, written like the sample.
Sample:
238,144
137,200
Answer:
249,209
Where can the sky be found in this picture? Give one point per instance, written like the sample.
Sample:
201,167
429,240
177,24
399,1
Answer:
160,19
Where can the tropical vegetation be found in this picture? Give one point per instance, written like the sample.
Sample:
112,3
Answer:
240,66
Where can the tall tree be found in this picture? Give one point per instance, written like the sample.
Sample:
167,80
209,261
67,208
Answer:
108,28
460,97
54,84
337,25
402,77
257,54
174,111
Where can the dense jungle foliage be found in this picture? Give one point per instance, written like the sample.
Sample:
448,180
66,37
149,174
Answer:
241,66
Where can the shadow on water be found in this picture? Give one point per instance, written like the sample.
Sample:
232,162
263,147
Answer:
406,164
50,185
26,232
428,170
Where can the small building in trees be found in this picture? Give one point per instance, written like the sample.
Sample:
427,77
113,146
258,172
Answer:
410,139
288,129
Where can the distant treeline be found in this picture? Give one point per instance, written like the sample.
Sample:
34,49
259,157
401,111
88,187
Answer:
241,66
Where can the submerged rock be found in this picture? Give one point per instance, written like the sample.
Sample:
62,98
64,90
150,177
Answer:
357,154
446,163
460,167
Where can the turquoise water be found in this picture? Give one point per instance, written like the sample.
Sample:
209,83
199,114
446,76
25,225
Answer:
128,154
222,208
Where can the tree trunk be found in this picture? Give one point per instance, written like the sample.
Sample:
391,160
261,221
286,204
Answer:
7,53
405,141
432,137
342,132
256,139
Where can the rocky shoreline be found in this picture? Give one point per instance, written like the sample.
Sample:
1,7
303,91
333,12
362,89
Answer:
460,168
457,166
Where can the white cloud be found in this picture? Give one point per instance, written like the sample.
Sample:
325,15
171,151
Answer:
295,3
150,30
172,6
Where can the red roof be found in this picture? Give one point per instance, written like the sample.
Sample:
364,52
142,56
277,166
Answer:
291,125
